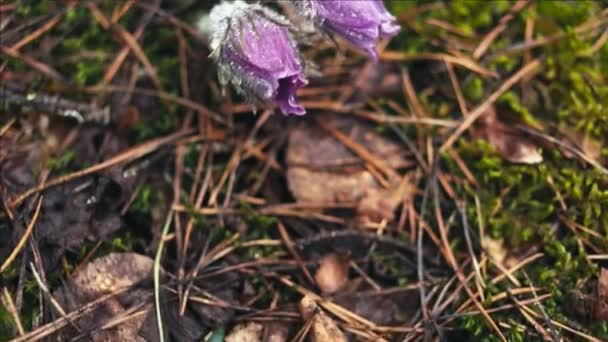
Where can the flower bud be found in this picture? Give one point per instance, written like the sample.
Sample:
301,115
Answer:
255,52
361,22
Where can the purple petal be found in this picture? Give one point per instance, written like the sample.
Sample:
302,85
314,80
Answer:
285,95
389,29
362,23
257,54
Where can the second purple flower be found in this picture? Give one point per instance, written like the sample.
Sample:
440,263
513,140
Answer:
256,53
361,22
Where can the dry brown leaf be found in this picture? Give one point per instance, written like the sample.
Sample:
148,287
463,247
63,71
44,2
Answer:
246,332
256,332
103,276
601,302
584,142
495,249
332,274
376,80
323,329
275,332
323,170
589,300
506,256
392,307
508,141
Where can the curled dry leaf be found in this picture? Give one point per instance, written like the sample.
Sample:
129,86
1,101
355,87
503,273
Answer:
506,256
84,209
323,329
103,276
590,299
601,302
323,170
391,307
332,274
508,141
246,332
257,332
589,146
275,332
376,80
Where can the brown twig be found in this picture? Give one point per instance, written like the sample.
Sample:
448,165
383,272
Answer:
130,154
24,238
481,109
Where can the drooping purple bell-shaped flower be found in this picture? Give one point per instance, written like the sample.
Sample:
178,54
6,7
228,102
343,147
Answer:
256,53
361,22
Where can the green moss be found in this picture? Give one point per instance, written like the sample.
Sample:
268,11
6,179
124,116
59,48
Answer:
62,161
519,205
7,325
255,220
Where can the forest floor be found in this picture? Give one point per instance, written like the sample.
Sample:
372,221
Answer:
456,190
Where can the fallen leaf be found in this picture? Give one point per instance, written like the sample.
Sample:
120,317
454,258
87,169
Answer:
394,307
85,209
103,276
275,332
323,329
376,80
332,274
495,249
224,287
323,170
504,255
601,302
110,273
589,300
246,332
510,142
257,332
589,146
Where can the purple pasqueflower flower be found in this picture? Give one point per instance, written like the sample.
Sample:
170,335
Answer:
361,22
256,53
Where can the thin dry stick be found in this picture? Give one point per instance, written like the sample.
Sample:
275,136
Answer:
39,32
161,95
120,10
563,326
454,264
410,94
543,332
156,275
450,317
361,151
130,154
477,112
585,27
552,329
457,89
596,46
502,25
61,322
6,126
8,303
580,154
467,235
177,186
124,52
505,274
35,64
467,63
53,301
291,248
233,163
129,40
23,240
